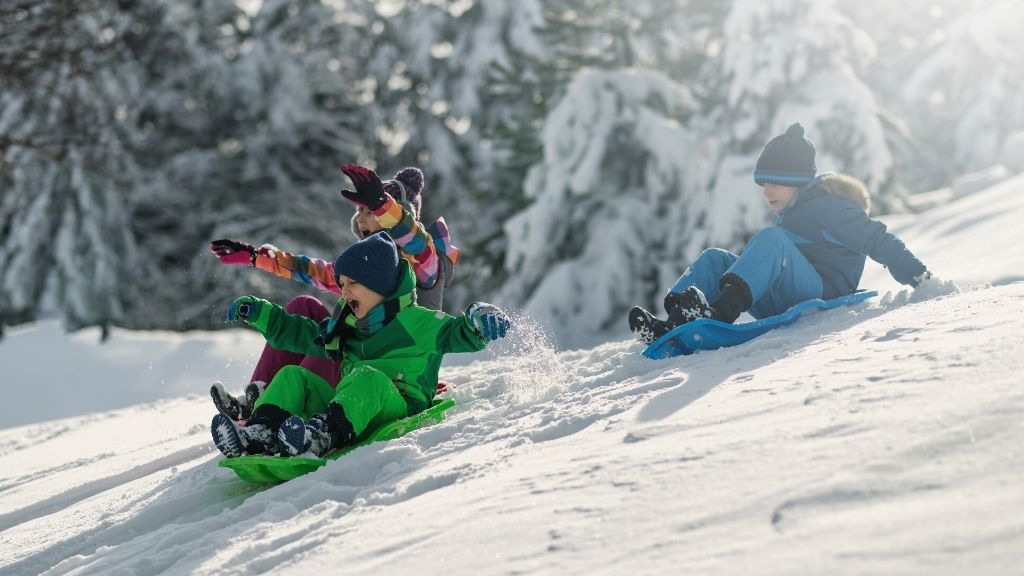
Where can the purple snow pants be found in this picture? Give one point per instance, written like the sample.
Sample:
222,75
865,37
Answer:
273,360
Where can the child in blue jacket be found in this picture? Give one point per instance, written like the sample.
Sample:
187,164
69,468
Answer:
816,247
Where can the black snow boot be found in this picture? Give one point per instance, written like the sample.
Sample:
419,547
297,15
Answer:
236,408
691,304
338,425
645,327
687,306
733,298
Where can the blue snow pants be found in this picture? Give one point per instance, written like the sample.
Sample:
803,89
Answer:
777,274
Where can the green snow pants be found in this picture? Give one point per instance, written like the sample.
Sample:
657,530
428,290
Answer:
367,395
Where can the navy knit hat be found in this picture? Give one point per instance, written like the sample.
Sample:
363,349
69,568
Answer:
787,159
373,262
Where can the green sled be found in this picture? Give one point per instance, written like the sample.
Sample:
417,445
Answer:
271,469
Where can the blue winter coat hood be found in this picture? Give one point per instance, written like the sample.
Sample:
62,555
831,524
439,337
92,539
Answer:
839,185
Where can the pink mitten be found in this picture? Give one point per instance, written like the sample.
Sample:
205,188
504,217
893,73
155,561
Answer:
234,252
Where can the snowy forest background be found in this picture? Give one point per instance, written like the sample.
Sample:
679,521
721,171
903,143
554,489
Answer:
582,151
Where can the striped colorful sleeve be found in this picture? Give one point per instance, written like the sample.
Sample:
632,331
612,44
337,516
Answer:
443,240
312,271
414,240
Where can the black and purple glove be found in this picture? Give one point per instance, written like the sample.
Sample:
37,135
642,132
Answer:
369,189
234,252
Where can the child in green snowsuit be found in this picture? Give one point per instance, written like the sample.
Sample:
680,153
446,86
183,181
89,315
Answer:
390,352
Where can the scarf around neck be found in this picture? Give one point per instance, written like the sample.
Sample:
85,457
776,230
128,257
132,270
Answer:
344,319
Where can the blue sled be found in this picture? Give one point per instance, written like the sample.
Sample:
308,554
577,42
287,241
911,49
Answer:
708,334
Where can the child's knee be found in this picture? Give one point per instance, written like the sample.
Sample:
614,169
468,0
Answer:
773,234
364,386
365,376
713,257
365,371
716,253
290,375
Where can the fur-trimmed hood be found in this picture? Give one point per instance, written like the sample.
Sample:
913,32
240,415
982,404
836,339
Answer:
847,187
828,222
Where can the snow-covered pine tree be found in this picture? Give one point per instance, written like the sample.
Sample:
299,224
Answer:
619,170
616,171
665,35
797,60
266,118
181,113
133,137
908,34
70,138
426,104
964,97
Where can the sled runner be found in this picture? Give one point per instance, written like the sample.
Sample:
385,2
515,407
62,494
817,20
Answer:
269,469
706,334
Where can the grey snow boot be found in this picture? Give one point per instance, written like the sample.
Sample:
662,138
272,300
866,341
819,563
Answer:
234,440
320,436
236,408
253,391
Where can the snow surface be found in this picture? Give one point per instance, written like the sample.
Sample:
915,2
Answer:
886,438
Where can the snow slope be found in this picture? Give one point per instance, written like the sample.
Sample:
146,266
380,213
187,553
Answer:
883,438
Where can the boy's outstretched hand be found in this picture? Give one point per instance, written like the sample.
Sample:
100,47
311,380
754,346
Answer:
488,320
369,189
928,285
920,278
244,308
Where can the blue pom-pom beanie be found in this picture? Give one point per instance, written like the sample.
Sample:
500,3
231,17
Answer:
787,159
373,262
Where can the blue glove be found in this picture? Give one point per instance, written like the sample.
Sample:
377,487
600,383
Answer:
244,308
487,320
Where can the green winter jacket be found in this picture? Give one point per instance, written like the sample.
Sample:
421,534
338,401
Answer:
408,349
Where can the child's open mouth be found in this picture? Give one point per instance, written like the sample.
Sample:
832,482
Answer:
354,305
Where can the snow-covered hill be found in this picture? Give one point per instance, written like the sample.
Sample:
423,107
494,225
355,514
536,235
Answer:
884,438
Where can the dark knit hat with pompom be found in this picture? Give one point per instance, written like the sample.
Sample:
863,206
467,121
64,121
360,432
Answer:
787,159
373,262
406,187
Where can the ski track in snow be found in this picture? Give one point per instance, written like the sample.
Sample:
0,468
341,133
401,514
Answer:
89,489
170,508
